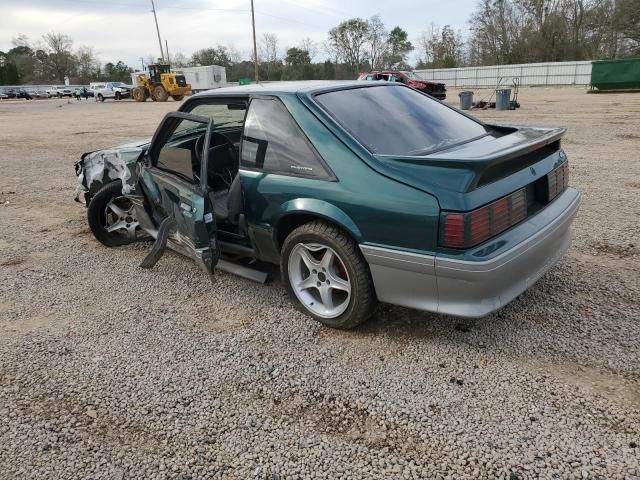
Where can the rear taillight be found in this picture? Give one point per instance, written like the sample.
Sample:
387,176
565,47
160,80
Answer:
558,180
464,230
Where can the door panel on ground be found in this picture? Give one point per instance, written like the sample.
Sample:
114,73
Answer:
175,190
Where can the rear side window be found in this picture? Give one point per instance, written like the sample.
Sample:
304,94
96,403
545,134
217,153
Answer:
391,120
273,142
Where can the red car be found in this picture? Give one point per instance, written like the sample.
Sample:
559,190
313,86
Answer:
435,89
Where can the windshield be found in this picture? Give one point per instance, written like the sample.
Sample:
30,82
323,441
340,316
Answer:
412,75
119,84
221,113
397,120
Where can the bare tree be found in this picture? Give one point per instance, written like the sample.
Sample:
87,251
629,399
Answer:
426,43
441,47
179,60
349,41
498,33
234,54
88,64
378,42
309,46
268,54
268,49
60,59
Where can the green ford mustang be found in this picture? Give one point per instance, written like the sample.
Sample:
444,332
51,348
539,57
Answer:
360,192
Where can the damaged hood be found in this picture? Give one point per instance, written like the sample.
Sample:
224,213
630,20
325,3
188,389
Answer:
140,143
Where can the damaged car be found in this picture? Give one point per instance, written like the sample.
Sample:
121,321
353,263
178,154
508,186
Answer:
361,192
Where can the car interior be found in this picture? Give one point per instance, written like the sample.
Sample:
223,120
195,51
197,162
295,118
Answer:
184,157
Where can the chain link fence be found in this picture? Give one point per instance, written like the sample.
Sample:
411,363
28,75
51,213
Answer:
530,74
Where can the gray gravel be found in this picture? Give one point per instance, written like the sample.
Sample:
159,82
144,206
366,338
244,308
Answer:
113,372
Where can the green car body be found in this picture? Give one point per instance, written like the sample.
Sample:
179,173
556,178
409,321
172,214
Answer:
390,205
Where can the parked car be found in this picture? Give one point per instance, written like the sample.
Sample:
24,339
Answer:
17,93
59,92
115,90
435,89
360,192
3,96
24,93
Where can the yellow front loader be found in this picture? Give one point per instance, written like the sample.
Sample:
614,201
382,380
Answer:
160,84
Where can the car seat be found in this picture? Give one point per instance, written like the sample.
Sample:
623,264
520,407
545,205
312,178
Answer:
227,204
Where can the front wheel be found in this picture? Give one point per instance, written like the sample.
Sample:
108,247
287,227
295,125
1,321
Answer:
100,97
327,276
177,98
112,218
138,94
160,94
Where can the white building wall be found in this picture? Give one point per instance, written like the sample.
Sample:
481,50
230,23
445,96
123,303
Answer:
530,74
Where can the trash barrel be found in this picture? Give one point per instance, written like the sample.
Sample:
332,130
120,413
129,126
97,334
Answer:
503,97
466,100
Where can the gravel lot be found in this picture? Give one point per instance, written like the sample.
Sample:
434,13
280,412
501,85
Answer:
110,371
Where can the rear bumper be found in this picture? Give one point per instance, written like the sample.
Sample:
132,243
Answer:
488,277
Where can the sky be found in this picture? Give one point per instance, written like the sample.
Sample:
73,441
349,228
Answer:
124,29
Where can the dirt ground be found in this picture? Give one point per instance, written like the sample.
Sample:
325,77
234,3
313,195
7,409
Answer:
579,327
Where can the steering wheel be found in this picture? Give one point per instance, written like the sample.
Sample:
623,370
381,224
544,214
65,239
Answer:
200,143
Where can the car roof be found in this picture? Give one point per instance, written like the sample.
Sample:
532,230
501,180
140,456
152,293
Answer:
278,88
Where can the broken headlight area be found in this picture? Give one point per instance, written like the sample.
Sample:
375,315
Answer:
96,169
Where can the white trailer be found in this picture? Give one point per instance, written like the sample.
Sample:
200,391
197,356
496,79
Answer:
204,78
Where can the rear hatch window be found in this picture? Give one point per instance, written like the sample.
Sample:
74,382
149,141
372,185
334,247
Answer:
399,121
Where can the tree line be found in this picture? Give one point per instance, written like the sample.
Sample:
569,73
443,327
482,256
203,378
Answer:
500,32
54,58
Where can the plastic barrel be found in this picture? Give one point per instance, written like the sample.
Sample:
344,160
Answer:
466,100
503,97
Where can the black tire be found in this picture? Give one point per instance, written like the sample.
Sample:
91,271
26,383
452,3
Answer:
138,94
100,97
363,299
177,98
160,94
96,215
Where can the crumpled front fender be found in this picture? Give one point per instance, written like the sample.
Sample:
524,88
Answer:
98,168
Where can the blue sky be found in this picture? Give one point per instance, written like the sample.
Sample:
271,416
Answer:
124,29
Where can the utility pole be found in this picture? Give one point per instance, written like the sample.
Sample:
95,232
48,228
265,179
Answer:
255,48
142,62
166,44
153,8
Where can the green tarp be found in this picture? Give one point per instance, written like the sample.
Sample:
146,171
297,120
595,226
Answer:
620,74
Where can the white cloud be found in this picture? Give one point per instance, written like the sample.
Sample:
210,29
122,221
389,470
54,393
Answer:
124,30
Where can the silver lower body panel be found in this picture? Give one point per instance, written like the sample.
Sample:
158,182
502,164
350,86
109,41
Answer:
469,288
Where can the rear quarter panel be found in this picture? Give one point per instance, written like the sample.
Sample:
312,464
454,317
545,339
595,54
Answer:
371,207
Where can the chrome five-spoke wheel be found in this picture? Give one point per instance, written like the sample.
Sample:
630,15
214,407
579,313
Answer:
326,275
319,278
112,217
120,217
